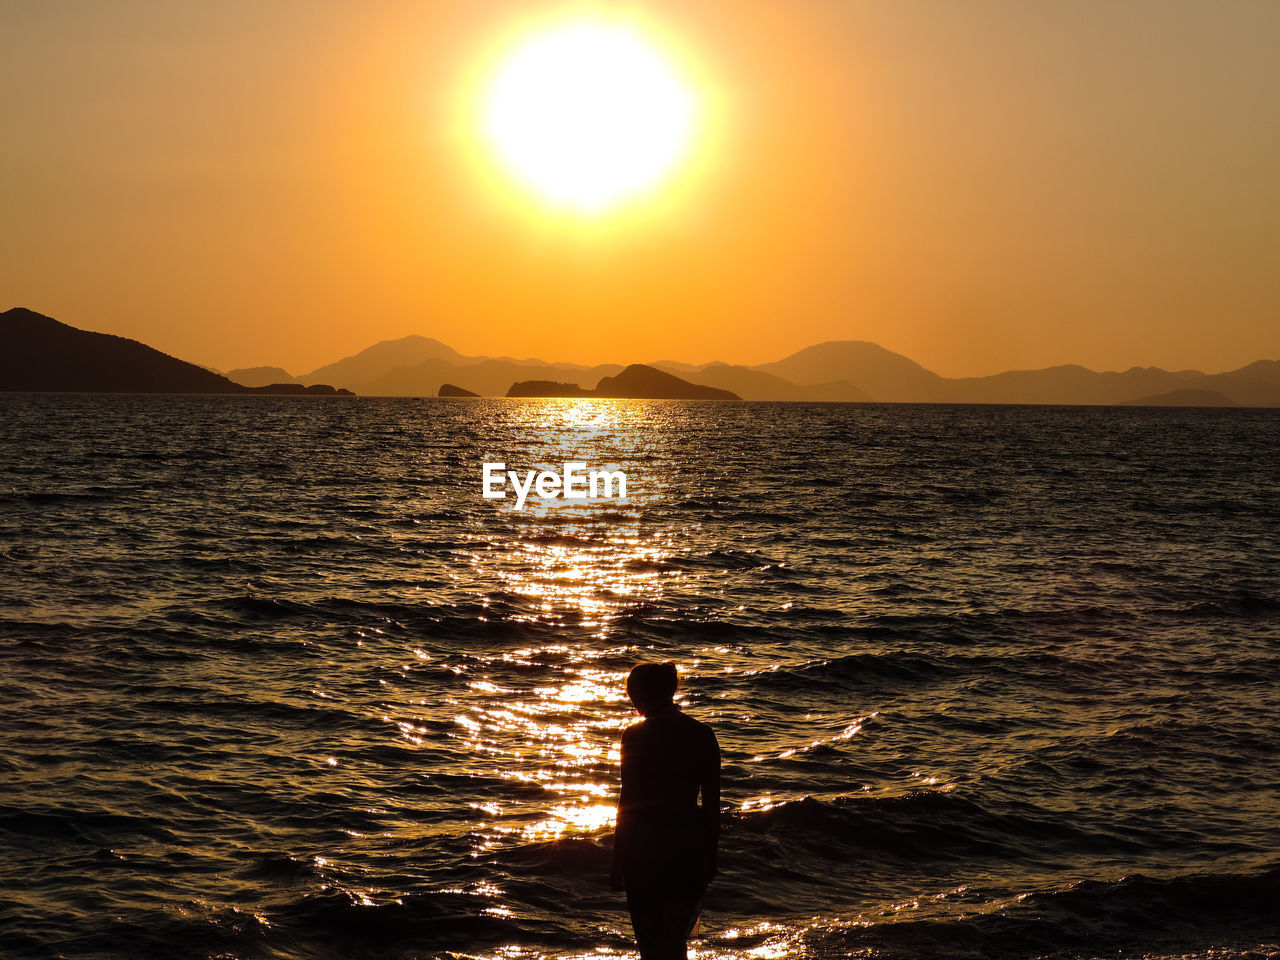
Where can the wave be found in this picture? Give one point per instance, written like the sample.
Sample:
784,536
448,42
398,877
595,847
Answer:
1205,914
1240,603
79,825
344,923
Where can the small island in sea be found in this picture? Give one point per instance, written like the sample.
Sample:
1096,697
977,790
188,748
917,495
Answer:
453,390
636,382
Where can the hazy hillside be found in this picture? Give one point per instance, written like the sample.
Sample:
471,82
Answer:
887,376
680,369
377,360
752,384
1069,383
1256,384
261,376
877,372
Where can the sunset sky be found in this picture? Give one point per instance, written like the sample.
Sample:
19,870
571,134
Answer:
981,185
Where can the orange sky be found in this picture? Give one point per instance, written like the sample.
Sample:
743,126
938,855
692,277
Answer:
980,186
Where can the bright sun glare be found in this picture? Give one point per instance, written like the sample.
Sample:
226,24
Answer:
588,113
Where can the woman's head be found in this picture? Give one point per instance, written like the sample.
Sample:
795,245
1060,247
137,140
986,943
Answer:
652,685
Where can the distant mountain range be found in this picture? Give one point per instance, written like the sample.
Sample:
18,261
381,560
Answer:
848,370
39,353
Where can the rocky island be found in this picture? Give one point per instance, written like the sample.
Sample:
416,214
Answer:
453,390
636,382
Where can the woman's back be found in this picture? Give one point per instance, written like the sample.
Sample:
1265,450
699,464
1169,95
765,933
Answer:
664,847
665,759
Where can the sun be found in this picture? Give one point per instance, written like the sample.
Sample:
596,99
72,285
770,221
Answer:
588,113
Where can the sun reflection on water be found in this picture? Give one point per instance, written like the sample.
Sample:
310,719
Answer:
538,715
558,563
561,737
593,579
582,561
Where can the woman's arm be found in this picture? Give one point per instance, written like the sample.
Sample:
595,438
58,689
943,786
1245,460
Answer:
622,824
710,787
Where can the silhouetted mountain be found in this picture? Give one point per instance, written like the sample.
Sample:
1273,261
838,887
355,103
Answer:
642,382
451,390
878,373
375,361
40,353
547,388
1184,398
636,382
260,376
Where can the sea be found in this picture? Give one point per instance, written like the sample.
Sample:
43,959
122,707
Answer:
278,682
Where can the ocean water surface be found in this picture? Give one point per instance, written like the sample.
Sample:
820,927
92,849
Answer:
277,682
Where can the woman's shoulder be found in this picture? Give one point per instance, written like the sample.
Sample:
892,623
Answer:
697,728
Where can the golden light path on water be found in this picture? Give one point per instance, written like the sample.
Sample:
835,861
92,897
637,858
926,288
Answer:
574,569
568,564
571,566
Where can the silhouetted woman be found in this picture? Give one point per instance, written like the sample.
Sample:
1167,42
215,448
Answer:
664,847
